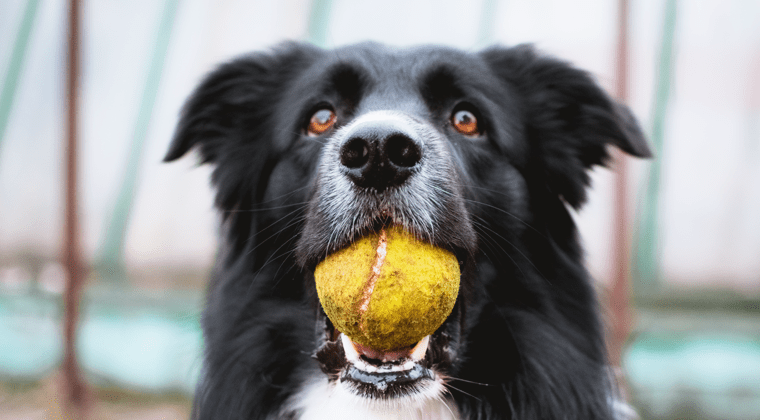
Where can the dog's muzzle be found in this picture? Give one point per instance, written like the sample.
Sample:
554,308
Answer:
380,151
386,168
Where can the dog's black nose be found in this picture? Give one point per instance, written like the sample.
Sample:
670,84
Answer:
376,160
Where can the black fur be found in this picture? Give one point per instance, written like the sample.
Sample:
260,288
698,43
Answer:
526,338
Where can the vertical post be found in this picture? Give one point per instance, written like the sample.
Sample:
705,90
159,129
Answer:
620,292
74,386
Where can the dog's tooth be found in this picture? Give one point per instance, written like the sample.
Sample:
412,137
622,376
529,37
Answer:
418,352
368,368
352,355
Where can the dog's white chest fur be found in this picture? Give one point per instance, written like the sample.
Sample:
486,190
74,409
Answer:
322,400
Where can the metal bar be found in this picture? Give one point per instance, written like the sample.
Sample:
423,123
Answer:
110,264
319,22
646,266
15,65
75,388
487,23
620,292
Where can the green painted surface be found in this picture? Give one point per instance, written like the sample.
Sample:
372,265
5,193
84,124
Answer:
707,364
487,23
319,22
15,65
696,376
646,264
151,343
31,336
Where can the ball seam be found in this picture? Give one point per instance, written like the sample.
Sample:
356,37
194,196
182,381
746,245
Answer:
374,275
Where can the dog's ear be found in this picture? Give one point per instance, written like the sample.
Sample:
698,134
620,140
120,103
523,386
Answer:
569,117
232,98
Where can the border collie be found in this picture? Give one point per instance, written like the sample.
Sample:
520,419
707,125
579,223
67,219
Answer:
482,154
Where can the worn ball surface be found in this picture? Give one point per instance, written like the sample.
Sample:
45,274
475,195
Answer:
388,290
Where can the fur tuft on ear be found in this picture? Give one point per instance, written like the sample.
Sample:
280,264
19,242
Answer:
570,119
231,98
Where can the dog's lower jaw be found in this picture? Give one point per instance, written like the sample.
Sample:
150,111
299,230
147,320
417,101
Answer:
336,400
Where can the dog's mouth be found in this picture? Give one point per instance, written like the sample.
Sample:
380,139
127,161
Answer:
383,375
418,369
385,372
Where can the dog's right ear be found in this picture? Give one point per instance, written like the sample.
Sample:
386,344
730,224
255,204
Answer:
232,98
569,118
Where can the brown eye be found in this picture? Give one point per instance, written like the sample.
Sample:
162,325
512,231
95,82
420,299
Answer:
465,122
320,122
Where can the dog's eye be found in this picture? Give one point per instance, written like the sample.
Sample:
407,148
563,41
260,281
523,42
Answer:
320,122
465,122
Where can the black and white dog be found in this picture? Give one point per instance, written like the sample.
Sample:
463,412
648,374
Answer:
481,154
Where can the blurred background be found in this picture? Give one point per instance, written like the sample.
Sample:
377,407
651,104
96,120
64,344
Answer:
148,230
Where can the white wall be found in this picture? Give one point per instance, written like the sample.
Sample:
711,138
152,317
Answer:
710,208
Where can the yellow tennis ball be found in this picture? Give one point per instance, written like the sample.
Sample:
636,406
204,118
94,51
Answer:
388,290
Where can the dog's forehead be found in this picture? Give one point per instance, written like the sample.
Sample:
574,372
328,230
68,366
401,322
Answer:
392,72
411,61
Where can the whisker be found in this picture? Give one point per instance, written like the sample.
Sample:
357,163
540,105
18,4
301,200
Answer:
276,233
467,381
505,212
270,259
274,254
486,189
484,225
441,190
284,256
264,209
284,195
463,392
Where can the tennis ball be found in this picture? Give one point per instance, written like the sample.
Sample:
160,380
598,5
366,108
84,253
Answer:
388,290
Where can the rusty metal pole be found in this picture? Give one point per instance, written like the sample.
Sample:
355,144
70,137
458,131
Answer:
619,298
74,387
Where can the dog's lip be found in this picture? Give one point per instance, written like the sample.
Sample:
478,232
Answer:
372,361
373,376
388,383
403,372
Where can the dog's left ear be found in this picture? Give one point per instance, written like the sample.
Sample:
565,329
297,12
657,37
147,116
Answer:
233,100
569,117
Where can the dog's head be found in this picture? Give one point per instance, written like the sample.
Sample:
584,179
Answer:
476,153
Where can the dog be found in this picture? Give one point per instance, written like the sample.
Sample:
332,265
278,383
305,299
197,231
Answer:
482,154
